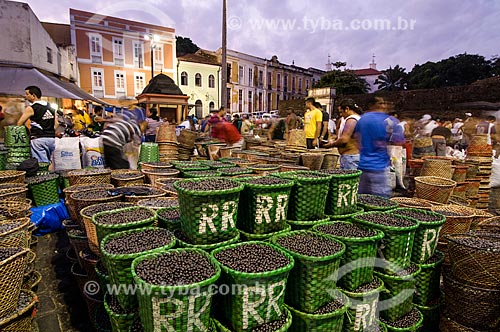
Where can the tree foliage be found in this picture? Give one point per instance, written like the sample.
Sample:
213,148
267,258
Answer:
344,81
185,46
462,69
392,79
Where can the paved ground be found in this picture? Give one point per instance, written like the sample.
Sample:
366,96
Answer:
61,306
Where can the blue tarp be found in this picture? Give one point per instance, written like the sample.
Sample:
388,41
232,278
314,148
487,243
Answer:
49,218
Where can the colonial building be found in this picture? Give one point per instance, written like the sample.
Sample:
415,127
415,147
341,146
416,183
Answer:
198,76
116,57
370,75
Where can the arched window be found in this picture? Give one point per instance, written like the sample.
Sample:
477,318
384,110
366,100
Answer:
197,79
199,109
211,106
211,81
184,78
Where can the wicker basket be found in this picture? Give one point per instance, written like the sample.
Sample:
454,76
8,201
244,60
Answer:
342,192
70,204
119,321
14,209
81,200
149,152
437,166
313,161
159,202
296,137
30,263
415,327
472,265
458,219
434,188
492,225
416,203
12,176
77,239
32,281
44,189
474,307
459,173
311,277
11,274
175,295
431,315
20,320
18,236
125,177
133,194
330,161
166,134
427,288
449,325
153,175
16,136
146,166
89,176
478,146
183,242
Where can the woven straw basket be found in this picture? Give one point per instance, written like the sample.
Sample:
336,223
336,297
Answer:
312,160
434,188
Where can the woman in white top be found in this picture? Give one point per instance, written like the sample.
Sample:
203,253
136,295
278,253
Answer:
153,122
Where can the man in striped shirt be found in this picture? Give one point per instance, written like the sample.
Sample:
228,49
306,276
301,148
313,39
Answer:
116,135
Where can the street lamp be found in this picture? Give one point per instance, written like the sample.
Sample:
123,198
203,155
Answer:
152,39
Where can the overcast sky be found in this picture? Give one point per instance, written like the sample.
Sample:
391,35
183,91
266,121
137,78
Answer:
306,32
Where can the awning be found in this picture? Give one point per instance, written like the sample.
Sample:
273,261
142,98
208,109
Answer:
15,79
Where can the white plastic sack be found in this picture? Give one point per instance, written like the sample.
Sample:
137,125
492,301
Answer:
67,154
396,154
495,173
92,152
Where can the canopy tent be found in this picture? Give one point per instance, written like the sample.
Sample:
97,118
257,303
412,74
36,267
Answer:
15,79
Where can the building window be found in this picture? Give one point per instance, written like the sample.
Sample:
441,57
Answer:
118,51
260,102
261,78
293,84
184,78
211,106
199,109
197,80
241,75
158,55
228,73
119,80
300,85
307,84
278,82
49,55
269,81
97,82
96,48
228,99
269,100
138,54
240,101
139,83
250,102
211,81
285,83
250,77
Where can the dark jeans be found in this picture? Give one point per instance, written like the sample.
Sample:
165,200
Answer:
309,143
114,158
150,138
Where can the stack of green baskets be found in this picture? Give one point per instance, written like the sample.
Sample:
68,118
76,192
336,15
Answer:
183,242
427,234
235,171
343,191
384,204
432,316
149,152
185,301
397,243
429,280
104,225
208,214
217,164
167,223
18,143
263,237
398,300
358,262
308,196
220,327
3,159
363,308
414,327
262,293
331,322
312,277
44,189
119,266
263,207
211,173
120,321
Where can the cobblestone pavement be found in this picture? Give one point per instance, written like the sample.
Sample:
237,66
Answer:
61,306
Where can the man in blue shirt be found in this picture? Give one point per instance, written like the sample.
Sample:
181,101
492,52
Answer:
374,160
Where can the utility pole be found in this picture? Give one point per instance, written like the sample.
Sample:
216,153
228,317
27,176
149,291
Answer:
223,90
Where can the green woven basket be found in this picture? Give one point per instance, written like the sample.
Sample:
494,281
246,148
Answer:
263,237
170,224
362,313
308,196
119,321
311,278
208,216
176,308
397,244
265,207
331,322
44,189
192,167
306,225
343,192
119,266
202,174
16,136
432,316
346,217
149,152
102,275
359,259
429,281
222,327
182,242
427,234
260,298
388,204
415,327
398,300
217,164
235,171
103,229
3,160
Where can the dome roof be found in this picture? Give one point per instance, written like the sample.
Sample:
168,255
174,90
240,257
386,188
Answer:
162,84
